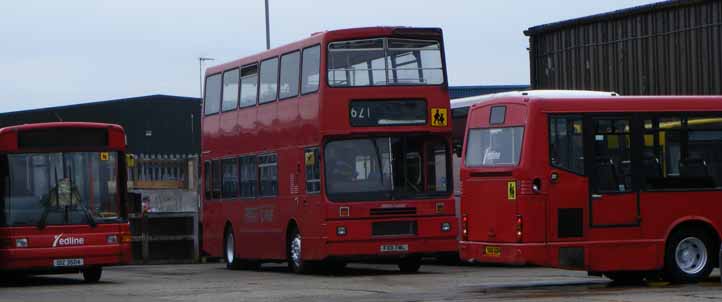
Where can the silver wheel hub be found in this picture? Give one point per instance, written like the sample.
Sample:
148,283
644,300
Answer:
230,248
691,255
296,250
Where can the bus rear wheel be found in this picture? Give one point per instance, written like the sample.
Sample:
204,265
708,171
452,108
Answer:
92,274
625,278
688,256
410,264
229,251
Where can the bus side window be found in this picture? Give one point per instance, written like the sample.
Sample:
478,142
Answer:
313,170
216,179
212,97
682,153
230,178
269,81
248,172
207,183
310,67
566,148
268,174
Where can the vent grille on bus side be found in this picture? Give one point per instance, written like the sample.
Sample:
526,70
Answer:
392,211
393,228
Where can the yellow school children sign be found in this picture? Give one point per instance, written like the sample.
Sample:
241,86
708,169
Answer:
439,117
511,190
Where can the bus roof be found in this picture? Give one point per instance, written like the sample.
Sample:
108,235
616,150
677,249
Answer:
469,101
38,126
318,37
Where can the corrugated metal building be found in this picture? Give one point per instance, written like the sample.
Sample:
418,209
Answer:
665,48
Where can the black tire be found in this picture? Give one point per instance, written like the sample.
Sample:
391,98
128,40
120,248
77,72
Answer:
92,274
293,251
691,238
625,278
410,264
334,266
229,251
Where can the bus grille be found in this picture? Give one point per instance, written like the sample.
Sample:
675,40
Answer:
393,211
393,228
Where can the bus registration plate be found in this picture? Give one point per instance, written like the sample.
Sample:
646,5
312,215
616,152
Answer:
68,262
493,251
394,248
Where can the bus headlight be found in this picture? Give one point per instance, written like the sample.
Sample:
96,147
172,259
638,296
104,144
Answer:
341,231
21,242
112,239
445,227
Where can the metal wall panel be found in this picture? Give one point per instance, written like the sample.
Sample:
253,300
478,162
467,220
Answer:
663,50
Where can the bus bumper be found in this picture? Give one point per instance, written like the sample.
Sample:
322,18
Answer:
41,259
504,253
359,242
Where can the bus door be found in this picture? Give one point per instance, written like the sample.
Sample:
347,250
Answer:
568,191
310,202
614,197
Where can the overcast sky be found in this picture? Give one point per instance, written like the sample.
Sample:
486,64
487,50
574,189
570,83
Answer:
65,52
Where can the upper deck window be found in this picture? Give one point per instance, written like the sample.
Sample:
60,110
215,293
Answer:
249,85
384,61
213,94
269,81
230,90
310,69
290,64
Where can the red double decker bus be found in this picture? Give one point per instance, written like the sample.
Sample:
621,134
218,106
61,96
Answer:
620,186
331,149
63,199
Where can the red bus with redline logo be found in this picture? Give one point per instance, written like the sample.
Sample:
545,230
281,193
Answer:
626,187
63,199
331,149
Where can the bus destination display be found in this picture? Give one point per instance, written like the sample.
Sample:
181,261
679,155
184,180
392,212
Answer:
387,113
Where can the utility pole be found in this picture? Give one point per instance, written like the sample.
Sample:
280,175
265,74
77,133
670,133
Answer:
200,73
268,29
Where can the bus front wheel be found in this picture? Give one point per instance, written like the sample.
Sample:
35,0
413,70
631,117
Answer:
92,274
410,264
295,260
688,256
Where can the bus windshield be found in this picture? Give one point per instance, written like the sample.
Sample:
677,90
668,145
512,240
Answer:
494,147
60,188
387,168
383,62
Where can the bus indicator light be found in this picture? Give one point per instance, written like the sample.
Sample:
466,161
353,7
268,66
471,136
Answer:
21,242
344,212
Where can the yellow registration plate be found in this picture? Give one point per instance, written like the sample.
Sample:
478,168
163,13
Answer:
493,251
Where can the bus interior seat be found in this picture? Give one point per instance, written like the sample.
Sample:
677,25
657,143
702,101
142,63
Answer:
606,174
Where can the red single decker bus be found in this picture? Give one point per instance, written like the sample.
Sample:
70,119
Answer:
63,199
331,149
626,187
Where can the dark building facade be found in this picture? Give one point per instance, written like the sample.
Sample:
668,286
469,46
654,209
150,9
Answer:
154,124
665,48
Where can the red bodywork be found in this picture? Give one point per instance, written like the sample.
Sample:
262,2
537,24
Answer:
620,239
286,127
38,256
